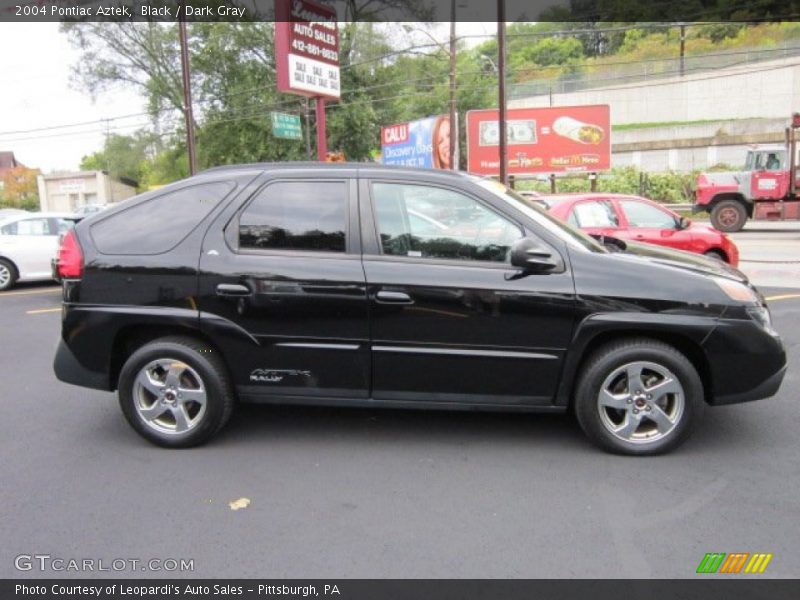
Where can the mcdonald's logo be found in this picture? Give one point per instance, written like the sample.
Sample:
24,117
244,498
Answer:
734,563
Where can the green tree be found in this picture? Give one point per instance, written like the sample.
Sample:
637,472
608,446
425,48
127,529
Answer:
18,188
122,155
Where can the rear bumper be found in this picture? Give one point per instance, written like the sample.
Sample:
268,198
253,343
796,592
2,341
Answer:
698,208
69,370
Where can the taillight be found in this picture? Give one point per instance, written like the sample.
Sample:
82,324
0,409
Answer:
70,257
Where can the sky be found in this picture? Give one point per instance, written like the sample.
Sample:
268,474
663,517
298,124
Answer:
36,93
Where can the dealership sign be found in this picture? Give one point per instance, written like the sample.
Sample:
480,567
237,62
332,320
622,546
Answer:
307,48
422,143
541,140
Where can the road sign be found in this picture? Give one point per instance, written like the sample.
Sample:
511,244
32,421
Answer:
286,126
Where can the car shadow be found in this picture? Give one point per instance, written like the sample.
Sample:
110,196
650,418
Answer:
253,422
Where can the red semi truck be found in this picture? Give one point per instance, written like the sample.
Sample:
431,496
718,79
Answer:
767,188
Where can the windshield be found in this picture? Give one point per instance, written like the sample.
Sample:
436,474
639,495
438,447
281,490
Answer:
573,237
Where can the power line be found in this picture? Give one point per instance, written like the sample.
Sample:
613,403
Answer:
288,102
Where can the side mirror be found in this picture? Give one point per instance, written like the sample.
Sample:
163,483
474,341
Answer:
684,223
532,256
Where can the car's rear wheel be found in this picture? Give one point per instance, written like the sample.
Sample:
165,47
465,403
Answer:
8,274
175,392
638,397
728,216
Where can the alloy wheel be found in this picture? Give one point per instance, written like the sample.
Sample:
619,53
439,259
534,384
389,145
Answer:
5,275
641,402
169,396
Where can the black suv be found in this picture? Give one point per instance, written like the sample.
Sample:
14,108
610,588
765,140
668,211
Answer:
364,285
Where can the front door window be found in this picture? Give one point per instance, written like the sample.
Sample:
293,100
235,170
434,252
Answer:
430,222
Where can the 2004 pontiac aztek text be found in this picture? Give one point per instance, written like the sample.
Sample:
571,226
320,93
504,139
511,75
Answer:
374,286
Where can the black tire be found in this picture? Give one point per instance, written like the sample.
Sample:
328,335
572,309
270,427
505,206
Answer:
610,358
9,272
718,254
728,216
204,362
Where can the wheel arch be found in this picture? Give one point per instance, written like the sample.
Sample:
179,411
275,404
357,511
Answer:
130,338
736,196
12,262
688,345
718,251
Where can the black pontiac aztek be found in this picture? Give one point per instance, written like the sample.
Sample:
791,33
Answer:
365,285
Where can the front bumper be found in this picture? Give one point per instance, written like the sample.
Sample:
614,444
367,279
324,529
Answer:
767,388
745,362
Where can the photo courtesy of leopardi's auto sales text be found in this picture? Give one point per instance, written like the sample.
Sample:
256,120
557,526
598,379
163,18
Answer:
370,300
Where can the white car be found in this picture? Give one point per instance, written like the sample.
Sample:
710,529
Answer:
28,242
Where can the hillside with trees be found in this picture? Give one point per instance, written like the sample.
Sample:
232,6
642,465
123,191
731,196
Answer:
385,79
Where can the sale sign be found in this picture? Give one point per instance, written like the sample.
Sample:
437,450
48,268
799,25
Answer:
423,143
307,48
541,140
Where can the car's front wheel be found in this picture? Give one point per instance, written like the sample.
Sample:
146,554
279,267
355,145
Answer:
175,392
638,397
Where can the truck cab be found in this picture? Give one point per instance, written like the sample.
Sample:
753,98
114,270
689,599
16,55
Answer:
766,173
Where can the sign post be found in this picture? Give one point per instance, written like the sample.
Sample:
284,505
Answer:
307,56
322,139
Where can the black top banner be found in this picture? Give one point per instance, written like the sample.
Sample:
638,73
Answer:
622,11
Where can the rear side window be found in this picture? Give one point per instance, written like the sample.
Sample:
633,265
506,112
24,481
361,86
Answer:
161,223
296,215
27,227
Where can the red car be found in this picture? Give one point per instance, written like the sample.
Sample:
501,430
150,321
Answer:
640,220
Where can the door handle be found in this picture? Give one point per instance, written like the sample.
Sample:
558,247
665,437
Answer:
232,290
384,297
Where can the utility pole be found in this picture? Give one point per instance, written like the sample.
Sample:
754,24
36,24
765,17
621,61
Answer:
109,183
187,94
501,88
683,48
454,137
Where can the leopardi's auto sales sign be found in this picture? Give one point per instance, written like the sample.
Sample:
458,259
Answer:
555,139
307,48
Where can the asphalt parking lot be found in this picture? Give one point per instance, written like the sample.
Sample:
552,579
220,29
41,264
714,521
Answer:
368,493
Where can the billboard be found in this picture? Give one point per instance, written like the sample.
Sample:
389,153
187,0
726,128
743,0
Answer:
541,140
422,143
307,48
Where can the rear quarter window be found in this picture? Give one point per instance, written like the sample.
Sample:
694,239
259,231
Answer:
159,224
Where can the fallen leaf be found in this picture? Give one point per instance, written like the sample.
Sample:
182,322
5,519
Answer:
240,503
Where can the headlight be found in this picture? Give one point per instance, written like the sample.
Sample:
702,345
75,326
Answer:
762,316
736,291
